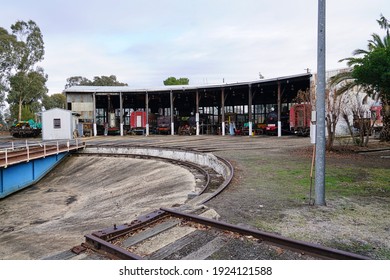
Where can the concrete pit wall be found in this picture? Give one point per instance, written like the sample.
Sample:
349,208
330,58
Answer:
203,159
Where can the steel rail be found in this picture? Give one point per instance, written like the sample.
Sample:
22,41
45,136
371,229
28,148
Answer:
226,182
296,245
100,244
111,233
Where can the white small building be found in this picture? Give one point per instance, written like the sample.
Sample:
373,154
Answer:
58,124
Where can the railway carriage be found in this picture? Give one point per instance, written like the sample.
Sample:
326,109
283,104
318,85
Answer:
300,117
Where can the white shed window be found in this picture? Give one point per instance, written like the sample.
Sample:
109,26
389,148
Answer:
57,123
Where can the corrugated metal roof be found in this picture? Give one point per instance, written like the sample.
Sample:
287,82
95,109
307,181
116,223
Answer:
116,89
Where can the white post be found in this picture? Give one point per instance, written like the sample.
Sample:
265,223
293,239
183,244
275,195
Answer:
6,157
279,128
250,128
197,123
223,129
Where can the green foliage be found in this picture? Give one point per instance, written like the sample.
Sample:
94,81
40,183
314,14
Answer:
26,89
171,81
106,81
371,70
97,81
7,60
374,71
30,46
27,113
57,100
20,78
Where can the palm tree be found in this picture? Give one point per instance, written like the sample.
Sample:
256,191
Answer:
370,70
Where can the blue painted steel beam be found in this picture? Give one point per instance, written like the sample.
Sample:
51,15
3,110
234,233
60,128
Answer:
22,175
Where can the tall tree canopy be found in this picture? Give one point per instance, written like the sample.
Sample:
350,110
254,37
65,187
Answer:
21,78
57,100
8,44
171,81
370,69
97,81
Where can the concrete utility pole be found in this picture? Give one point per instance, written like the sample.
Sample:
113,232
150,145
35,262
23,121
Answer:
320,107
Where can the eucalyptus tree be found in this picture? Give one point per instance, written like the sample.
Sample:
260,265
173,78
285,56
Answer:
97,81
22,79
57,100
171,81
8,45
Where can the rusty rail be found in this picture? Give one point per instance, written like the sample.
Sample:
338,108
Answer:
100,239
300,246
100,244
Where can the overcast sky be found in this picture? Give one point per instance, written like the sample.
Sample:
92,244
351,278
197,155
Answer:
208,41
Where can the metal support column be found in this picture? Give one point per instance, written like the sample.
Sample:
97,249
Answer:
147,113
94,126
223,110
172,118
121,113
250,109
279,110
320,107
197,112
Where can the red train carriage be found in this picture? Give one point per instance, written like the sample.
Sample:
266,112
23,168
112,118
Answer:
138,122
300,116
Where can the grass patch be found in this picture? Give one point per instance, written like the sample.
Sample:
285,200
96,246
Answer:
350,182
362,248
288,178
338,181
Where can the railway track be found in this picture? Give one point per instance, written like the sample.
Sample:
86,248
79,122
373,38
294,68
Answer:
177,234
192,231
170,234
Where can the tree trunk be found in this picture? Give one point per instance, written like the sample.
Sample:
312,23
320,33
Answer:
330,139
354,139
20,109
385,133
362,131
368,129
